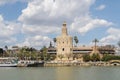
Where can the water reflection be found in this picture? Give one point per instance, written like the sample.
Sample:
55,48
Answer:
64,73
61,73
88,73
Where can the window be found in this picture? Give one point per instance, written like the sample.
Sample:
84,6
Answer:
63,49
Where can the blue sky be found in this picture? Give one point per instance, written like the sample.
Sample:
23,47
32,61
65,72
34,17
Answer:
36,22
12,11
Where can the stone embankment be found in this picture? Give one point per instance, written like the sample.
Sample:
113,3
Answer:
60,64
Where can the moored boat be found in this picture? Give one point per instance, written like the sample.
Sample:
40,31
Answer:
30,63
8,62
36,64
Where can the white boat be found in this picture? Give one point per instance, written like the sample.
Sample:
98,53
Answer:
30,63
8,62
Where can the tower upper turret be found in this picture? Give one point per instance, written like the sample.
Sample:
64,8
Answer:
64,29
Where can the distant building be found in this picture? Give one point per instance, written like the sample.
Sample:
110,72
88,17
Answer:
51,49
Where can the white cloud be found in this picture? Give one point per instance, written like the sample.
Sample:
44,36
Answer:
8,30
7,41
101,7
36,41
112,37
86,23
41,30
10,40
50,12
114,31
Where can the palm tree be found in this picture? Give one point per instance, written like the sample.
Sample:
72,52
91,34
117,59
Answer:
6,50
6,47
76,40
54,39
119,43
95,41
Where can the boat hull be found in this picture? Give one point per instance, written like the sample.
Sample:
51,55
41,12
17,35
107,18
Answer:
8,65
36,64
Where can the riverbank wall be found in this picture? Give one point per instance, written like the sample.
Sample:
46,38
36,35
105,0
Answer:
48,64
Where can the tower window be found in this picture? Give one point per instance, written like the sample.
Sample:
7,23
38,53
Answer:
63,49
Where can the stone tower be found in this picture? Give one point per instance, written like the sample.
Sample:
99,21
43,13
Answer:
64,43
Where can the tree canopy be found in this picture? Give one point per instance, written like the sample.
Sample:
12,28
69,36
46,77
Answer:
76,40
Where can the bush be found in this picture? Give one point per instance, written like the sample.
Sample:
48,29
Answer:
86,57
95,57
108,57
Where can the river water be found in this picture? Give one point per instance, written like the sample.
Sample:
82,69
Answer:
60,73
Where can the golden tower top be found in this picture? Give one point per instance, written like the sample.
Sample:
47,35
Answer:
64,29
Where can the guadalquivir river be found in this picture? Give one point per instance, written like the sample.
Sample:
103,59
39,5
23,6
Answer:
60,73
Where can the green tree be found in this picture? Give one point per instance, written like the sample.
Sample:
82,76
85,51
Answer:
6,53
118,43
75,56
32,52
60,56
1,52
44,55
27,53
54,39
21,53
33,55
52,57
76,40
95,57
86,57
6,47
108,57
